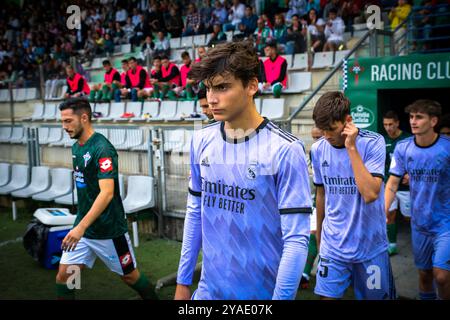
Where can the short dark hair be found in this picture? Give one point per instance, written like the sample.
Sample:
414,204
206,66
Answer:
430,107
391,114
201,94
164,56
106,63
331,107
157,58
132,59
79,106
185,54
333,10
125,61
238,59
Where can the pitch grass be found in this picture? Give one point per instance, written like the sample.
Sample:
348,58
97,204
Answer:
23,278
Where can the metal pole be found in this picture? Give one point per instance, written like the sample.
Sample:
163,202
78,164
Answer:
11,102
33,147
135,233
150,153
37,148
163,172
29,142
14,210
42,83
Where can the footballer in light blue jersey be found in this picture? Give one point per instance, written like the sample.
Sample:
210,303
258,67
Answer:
348,169
248,210
353,230
426,159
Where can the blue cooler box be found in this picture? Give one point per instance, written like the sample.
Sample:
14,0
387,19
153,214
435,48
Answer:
60,221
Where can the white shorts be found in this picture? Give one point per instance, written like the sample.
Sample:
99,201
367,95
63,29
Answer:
117,254
402,201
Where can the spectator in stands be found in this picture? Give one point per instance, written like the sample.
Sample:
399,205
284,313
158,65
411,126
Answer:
138,31
261,35
147,48
118,34
170,78
108,45
121,15
56,79
318,38
201,51
201,96
350,9
129,31
296,7
236,13
334,32
105,92
138,81
397,15
241,33
155,18
193,21
77,85
332,4
274,78
162,45
174,24
135,18
219,14
280,31
313,4
249,21
206,13
296,35
217,36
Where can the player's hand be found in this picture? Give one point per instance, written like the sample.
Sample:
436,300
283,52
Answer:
72,238
182,292
350,132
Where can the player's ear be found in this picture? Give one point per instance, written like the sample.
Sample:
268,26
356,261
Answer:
348,118
252,87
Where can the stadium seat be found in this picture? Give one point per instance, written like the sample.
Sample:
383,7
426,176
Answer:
117,136
122,186
17,135
5,173
20,178
140,194
97,77
187,141
40,182
175,43
174,140
96,63
323,60
4,95
115,111
144,145
38,113
102,108
175,55
43,135
339,55
5,133
167,110
55,134
125,48
288,60
150,108
229,35
273,108
298,82
31,94
187,42
19,94
258,104
134,138
61,184
300,61
67,199
198,40
49,111
184,110
132,107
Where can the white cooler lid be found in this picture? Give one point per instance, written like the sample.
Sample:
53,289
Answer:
55,216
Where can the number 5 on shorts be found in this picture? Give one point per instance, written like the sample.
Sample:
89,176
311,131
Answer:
323,273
